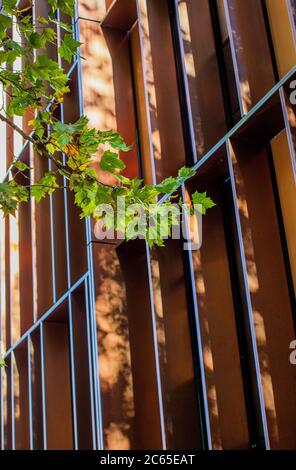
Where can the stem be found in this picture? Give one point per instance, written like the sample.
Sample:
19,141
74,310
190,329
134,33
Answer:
44,186
27,137
16,128
39,146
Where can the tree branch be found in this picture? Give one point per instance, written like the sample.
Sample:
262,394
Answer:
17,128
27,137
39,146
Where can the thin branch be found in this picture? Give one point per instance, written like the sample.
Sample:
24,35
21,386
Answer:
45,186
10,123
37,144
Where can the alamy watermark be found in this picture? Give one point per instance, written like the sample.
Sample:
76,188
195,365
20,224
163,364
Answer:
154,221
293,353
292,95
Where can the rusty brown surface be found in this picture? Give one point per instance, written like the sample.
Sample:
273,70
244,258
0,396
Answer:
268,288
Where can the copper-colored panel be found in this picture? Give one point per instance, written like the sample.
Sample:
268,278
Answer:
42,9
145,143
43,266
58,387
77,241
62,33
289,110
21,255
2,398
43,261
9,143
82,371
268,288
127,368
282,34
287,190
76,226
292,13
109,3
2,284
114,345
60,250
92,9
22,4
222,20
7,410
225,48
161,92
118,48
35,358
108,90
25,256
71,105
202,74
21,398
97,82
174,346
121,14
26,284
217,315
14,277
251,52
7,285
60,230
107,87
267,122
133,263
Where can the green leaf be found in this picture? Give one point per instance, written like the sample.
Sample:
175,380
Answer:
66,6
202,201
51,148
168,185
63,139
11,45
38,41
46,185
72,144
2,362
111,162
35,41
9,5
49,34
54,5
185,173
38,127
11,194
22,166
122,179
75,128
67,27
114,139
8,77
19,104
89,194
8,56
5,21
69,47
46,69
27,20
42,20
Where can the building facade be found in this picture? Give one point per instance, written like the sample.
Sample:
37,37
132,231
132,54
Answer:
113,346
